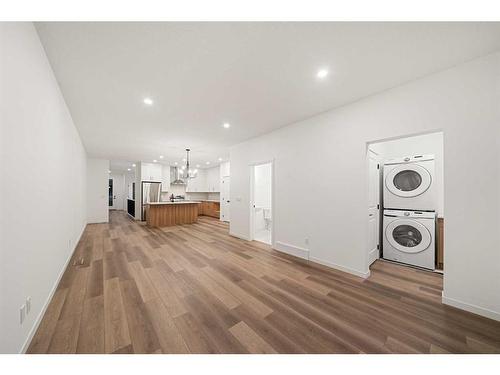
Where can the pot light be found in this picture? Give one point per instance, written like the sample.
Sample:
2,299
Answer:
176,163
322,73
226,125
161,156
109,171
197,166
148,101
133,165
128,169
155,161
207,163
220,159
184,159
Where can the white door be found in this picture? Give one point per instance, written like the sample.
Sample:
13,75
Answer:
373,206
224,199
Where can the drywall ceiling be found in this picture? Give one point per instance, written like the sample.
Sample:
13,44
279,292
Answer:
256,76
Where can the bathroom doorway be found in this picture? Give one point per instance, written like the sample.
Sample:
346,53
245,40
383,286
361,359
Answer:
261,210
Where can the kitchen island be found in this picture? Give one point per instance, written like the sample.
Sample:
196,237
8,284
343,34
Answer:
165,214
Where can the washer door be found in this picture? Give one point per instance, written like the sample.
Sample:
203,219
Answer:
408,180
408,236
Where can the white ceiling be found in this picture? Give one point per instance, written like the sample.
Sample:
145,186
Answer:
256,76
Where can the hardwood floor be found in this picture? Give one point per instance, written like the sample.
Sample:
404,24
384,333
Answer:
195,289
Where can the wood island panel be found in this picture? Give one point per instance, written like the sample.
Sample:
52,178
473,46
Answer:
165,215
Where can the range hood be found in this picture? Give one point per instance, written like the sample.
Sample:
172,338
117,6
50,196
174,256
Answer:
174,177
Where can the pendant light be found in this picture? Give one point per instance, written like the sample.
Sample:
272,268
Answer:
187,173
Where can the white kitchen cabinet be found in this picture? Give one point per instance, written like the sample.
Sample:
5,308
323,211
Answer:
213,180
151,172
224,169
198,184
165,178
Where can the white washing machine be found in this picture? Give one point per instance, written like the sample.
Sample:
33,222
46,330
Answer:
409,183
409,237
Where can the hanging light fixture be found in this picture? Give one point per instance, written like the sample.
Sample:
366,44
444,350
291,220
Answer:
187,173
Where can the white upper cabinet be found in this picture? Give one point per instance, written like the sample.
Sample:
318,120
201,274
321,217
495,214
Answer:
165,178
224,170
151,172
213,180
198,184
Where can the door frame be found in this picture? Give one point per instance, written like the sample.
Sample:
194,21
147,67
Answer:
252,196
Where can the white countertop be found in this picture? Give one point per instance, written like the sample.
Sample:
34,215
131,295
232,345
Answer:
168,202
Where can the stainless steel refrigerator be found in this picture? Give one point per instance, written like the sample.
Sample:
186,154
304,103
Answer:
150,192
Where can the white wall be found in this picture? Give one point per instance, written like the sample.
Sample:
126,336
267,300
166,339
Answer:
42,192
426,144
328,152
97,190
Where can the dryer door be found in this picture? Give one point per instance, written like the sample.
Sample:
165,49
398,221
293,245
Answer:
408,236
408,180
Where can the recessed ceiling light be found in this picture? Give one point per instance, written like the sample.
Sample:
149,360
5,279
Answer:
176,163
155,161
148,101
133,165
161,156
109,171
226,125
128,169
197,166
184,159
207,163
220,159
322,73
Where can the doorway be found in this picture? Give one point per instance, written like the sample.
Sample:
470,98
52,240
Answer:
116,191
406,200
111,197
261,210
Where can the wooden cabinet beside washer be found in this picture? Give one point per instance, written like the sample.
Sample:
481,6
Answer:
440,244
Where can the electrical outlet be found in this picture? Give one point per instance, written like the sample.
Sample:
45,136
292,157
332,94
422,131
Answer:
28,305
22,314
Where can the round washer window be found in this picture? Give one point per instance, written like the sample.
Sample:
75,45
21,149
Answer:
407,180
407,236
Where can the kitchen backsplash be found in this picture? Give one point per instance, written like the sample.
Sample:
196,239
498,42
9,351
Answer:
181,190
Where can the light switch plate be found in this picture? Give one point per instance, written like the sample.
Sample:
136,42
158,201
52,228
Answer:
22,314
28,305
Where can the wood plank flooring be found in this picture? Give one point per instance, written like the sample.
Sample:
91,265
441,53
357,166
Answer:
194,289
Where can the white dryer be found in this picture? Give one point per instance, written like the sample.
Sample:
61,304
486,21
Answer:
409,237
409,183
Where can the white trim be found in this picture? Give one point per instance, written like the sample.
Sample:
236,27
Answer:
39,318
471,308
292,250
240,236
373,256
354,272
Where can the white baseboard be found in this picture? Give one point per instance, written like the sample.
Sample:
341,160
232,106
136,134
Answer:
352,271
241,236
292,250
471,308
39,318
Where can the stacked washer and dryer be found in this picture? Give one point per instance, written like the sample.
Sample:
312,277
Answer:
410,204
